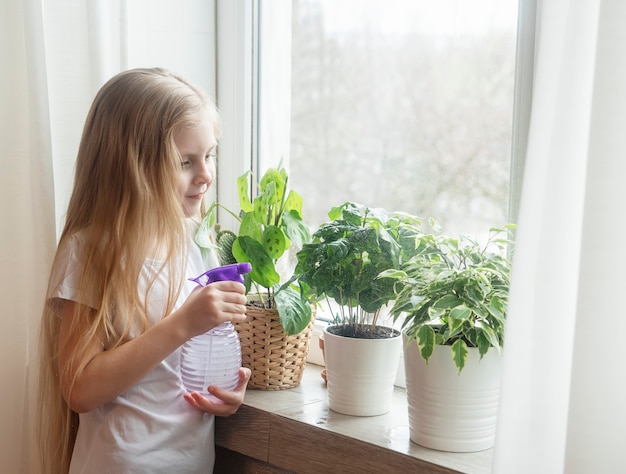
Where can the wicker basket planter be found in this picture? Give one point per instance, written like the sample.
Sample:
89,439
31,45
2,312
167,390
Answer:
277,360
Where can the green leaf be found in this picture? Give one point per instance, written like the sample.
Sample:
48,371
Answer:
295,228
274,241
246,249
426,341
496,308
334,214
455,327
459,353
250,227
263,202
293,310
242,188
203,234
447,302
393,273
460,313
489,336
483,343
294,202
273,180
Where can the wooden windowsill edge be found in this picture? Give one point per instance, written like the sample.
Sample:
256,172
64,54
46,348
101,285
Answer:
294,430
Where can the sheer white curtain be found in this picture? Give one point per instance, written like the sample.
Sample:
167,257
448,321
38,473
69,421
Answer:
54,55
26,213
52,63
562,406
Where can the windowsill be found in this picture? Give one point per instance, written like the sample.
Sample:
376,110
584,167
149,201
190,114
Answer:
294,430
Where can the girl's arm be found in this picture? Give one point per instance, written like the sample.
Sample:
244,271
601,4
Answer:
110,373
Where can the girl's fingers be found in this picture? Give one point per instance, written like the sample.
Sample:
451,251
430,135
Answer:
225,402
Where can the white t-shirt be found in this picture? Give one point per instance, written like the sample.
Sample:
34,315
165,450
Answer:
150,428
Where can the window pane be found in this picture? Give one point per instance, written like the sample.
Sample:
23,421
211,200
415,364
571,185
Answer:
406,105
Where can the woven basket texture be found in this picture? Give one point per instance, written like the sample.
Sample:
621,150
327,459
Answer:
277,360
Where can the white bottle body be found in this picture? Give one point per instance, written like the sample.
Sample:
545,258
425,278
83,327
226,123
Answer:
212,358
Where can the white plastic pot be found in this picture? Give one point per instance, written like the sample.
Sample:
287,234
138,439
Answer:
361,373
449,411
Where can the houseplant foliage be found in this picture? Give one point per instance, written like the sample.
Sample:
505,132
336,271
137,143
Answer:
454,292
341,265
269,225
345,257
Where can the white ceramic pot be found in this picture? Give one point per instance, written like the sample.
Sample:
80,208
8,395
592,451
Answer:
361,373
449,411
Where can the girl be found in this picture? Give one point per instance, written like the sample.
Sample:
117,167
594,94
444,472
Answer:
119,305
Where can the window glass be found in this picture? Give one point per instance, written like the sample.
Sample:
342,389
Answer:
405,105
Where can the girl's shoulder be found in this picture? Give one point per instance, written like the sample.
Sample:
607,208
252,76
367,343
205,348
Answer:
68,264
70,250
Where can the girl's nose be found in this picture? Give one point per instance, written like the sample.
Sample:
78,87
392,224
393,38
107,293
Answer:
205,173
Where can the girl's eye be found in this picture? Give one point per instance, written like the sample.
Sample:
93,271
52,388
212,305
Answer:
209,157
185,164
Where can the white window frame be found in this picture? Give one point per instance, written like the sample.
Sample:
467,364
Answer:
243,29
522,102
235,92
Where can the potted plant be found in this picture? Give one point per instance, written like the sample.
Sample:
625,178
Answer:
452,296
341,266
277,332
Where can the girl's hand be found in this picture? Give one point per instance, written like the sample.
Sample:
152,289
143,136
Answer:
210,306
227,402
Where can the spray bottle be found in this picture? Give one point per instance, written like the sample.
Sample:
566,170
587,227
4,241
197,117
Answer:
214,358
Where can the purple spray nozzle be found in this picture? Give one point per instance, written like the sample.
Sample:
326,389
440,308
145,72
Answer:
233,272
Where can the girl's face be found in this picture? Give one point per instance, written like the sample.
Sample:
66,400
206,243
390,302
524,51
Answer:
196,146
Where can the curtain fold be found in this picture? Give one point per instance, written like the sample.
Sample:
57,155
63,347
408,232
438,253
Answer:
46,87
560,409
596,427
84,44
27,215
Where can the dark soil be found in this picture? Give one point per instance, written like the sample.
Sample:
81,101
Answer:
269,303
363,332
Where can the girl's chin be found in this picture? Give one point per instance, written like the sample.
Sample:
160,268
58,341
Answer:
191,210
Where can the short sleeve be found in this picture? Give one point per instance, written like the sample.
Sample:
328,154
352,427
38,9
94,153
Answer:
65,274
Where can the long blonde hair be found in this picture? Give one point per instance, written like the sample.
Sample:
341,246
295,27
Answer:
124,200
